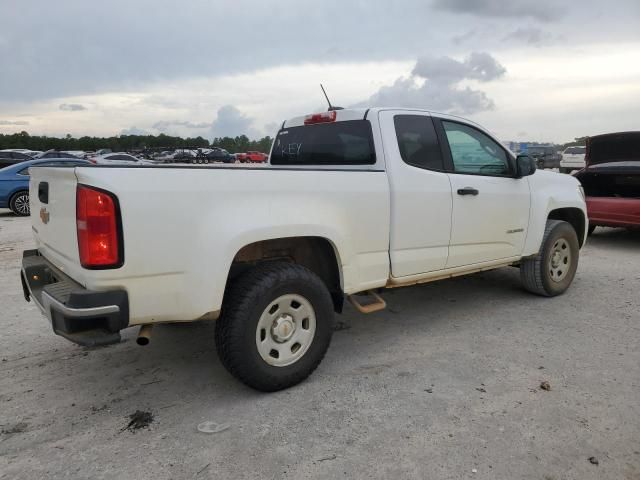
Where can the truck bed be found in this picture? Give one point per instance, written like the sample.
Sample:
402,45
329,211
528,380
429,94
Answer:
182,227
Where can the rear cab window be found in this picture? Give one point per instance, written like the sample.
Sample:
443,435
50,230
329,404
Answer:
348,142
575,150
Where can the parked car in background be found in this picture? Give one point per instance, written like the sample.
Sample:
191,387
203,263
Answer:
572,159
11,157
166,156
256,157
184,156
220,155
14,182
76,153
240,157
55,154
103,151
611,180
116,159
546,156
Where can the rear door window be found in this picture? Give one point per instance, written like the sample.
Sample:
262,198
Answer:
418,142
340,143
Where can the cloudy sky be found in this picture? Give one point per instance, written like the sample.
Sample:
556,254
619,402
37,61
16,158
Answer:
544,70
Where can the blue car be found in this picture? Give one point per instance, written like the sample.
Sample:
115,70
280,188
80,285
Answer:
14,181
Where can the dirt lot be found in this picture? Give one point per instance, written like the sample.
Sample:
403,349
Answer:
443,384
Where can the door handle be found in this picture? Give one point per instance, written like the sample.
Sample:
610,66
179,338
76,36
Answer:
43,192
468,191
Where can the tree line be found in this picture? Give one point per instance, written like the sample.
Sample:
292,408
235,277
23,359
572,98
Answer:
121,143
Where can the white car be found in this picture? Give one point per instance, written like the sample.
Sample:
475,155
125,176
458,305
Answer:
572,159
351,201
117,158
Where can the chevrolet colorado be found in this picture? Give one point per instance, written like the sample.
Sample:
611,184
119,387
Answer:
351,202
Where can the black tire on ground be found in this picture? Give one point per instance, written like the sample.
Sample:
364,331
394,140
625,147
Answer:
591,229
19,203
247,300
544,274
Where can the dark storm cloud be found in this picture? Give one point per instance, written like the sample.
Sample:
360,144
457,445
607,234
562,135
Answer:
478,66
434,85
71,107
58,49
540,10
86,47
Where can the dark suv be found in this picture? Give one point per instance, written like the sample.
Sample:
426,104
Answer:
8,157
220,155
546,156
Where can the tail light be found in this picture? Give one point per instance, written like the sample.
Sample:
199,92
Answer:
323,117
98,226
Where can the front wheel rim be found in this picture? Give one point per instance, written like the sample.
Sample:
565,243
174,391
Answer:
559,260
285,330
21,204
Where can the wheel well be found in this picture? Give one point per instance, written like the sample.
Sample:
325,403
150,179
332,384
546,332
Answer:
575,217
15,194
18,192
315,253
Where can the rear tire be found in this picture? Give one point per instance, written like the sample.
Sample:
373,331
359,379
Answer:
19,204
275,327
551,271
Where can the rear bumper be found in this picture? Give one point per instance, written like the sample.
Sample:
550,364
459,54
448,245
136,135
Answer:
82,316
613,211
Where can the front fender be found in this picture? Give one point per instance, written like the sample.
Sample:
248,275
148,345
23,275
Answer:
550,191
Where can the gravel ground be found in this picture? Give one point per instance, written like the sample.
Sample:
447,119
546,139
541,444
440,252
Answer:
443,384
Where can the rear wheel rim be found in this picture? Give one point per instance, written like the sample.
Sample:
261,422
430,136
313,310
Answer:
559,260
21,204
285,330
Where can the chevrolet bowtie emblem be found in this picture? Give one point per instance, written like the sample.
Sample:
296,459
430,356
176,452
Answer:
44,215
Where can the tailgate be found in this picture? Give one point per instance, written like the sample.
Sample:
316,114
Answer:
52,194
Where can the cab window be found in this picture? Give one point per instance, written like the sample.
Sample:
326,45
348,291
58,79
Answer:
418,142
475,153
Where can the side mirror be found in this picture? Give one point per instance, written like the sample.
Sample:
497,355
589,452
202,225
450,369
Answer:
525,166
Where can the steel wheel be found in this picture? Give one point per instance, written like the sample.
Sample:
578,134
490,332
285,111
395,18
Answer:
559,260
20,204
285,330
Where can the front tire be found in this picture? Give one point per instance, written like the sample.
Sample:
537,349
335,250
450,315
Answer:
19,204
551,271
275,327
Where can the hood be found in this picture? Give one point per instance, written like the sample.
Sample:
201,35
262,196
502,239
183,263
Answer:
613,147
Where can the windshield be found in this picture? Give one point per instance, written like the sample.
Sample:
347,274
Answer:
340,143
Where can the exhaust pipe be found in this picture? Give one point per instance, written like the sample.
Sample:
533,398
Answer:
144,335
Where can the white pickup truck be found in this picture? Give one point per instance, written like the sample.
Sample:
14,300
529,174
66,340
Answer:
351,202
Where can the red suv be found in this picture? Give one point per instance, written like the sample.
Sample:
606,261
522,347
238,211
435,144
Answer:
256,157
